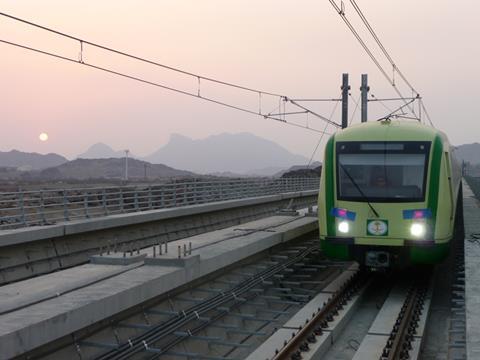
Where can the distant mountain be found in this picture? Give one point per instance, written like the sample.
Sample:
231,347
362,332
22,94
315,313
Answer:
83,169
303,172
103,151
228,174
268,171
236,153
469,153
30,161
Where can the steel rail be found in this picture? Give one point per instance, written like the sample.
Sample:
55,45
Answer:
167,347
197,329
337,300
399,342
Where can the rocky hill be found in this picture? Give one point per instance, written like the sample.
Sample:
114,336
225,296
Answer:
304,172
236,153
29,161
89,169
469,153
102,151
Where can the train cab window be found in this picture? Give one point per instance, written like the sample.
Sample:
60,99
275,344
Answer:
382,171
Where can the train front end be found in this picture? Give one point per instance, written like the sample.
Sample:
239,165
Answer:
387,196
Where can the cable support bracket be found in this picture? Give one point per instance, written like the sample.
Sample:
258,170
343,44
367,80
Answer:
80,55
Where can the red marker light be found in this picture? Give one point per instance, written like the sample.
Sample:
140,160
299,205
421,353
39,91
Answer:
418,214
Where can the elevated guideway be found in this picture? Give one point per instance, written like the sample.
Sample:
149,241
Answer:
70,277
40,249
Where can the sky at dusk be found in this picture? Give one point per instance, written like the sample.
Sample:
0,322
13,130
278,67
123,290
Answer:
295,48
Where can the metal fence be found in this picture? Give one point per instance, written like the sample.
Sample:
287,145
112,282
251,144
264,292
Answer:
46,207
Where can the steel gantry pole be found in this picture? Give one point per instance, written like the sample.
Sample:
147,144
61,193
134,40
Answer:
345,88
364,91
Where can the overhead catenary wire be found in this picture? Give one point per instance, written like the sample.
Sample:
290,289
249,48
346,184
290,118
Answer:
354,110
362,43
391,99
392,114
380,101
282,98
389,58
142,59
316,114
391,80
321,136
117,73
380,45
316,100
422,106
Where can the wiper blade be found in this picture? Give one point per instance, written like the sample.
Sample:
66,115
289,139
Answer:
359,190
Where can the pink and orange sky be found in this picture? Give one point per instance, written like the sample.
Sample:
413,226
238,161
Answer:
295,48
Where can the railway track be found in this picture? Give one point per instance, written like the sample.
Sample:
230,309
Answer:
396,332
224,318
291,305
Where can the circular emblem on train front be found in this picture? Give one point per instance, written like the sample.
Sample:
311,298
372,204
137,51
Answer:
377,227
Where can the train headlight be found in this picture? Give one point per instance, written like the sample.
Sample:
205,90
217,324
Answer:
343,227
418,229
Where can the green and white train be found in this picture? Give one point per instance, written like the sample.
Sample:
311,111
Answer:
390,195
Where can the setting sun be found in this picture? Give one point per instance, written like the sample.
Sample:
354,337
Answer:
43,136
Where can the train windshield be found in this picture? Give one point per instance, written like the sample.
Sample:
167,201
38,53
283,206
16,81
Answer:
382,171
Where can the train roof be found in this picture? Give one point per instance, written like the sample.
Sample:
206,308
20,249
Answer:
394,130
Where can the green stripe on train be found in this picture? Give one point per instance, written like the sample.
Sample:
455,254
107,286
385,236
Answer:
437,151
329,184
333,250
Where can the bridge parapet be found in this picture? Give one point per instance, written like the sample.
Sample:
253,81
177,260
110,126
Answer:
51,206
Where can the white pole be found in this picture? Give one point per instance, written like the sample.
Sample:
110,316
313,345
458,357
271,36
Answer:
126,164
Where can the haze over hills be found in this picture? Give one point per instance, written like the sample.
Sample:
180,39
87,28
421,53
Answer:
113,168
103,151
29,161
223,155
236,153
469,153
